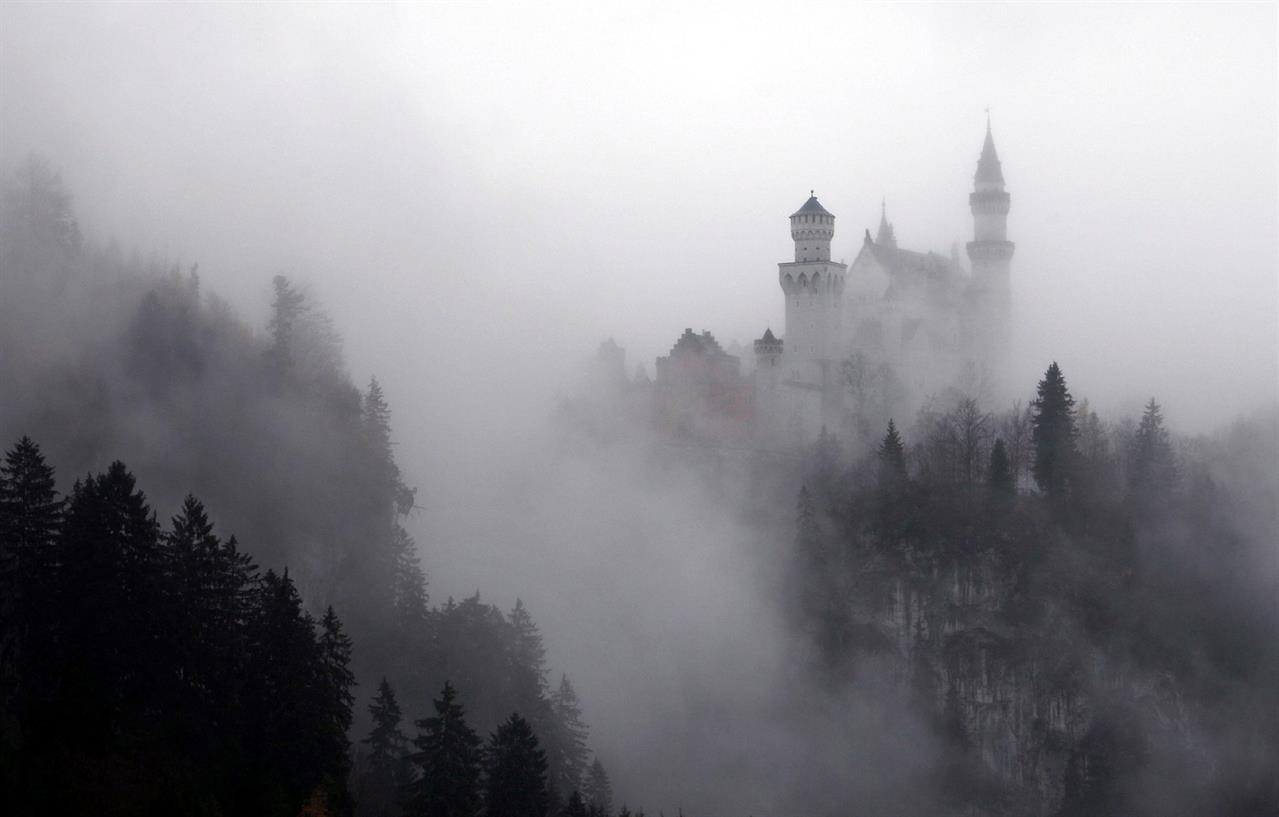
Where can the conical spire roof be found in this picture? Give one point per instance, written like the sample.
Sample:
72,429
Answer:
886,235
988,167
812,206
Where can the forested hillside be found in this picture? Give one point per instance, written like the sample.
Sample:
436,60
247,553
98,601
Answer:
1085,612
222,662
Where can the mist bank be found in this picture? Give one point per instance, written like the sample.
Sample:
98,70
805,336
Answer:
670,583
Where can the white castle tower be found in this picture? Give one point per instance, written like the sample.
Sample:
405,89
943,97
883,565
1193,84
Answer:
813,286
990,251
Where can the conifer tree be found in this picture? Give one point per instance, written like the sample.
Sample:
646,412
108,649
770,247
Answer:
287,704
112,648
386,773
336,684
892,459
375,420
528,669
30,518
1153,474
575,807
1053,433
568,752
516,766
287,309
203,605
1001,475
448,759
411,599
598,790
193,585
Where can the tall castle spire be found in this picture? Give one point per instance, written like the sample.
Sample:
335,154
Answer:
885,237
990,173
990,251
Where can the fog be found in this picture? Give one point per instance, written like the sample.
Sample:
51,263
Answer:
479,195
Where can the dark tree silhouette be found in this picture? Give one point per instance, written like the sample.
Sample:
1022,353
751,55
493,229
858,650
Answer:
448,759
516,766
567,753
1053,433
892,459
598,789
336,684
288,741
386,770
30,519
1153,473
1000,476
575,807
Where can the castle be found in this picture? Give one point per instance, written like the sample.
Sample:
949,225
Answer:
920,313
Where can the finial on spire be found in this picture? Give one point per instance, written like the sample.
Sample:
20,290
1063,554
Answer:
812,194
988,119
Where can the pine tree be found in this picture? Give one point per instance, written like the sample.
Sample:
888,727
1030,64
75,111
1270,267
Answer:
386,772
516,766
575,807
194,598
528,669
568,752
287,706
448,761
598,790
30,518
112,647
411,600
1053,434
287,309
892,459
1001,475
336,682
375,421
1153,473
203,606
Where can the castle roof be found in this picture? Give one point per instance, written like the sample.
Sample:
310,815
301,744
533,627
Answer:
692,343
988,166
812,206
769,337
911,271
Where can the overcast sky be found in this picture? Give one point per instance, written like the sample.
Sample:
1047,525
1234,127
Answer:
454,176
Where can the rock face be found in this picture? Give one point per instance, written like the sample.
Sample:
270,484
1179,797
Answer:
1018,713
1010,677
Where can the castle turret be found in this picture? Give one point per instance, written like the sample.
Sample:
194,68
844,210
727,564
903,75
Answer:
812,228
769,401
814,290
990,251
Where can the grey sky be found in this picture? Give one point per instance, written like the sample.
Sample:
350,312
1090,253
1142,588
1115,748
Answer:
447,171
